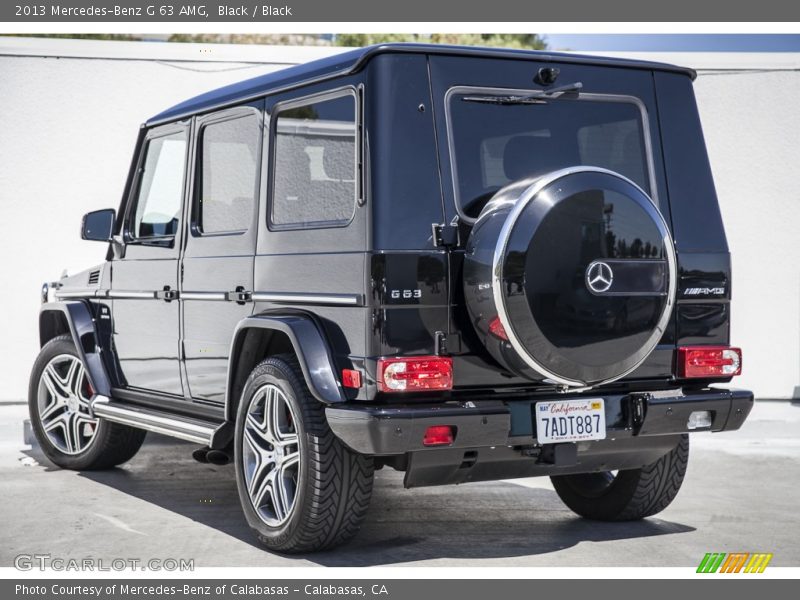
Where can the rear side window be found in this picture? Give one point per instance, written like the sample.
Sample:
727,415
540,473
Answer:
315,166
228,185
158,205
494,144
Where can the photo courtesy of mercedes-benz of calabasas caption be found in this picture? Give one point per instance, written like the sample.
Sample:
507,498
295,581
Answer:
465,264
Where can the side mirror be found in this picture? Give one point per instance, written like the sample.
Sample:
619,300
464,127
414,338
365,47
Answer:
98,225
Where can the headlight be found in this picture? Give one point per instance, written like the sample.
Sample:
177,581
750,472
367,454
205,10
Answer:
45,293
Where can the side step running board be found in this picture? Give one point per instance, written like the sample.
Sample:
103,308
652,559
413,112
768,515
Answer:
184,428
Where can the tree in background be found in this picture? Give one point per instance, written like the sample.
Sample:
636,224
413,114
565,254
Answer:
267,39
273,39
117,37
527,41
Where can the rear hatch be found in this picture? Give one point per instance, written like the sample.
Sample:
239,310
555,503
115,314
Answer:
495,126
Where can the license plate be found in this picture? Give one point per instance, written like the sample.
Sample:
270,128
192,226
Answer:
570,420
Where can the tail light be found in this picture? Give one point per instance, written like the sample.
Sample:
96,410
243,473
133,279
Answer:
438,435
709,361
415,373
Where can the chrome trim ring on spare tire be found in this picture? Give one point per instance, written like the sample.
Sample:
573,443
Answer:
603,265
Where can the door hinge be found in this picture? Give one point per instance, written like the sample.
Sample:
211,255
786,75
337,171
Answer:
446,343
445,235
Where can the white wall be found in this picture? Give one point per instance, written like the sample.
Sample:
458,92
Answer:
70,110
749,108
752,126
69,116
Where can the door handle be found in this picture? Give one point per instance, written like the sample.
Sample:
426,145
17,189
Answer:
167,294
239,295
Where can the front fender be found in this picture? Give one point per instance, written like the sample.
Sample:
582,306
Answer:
310,346
81,326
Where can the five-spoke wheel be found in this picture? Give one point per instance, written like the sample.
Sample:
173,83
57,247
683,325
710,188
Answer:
59,401
300,487
271,455
63,399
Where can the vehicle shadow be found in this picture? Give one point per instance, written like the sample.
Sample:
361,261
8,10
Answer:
479,520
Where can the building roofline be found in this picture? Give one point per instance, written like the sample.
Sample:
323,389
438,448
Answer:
155,50
718,61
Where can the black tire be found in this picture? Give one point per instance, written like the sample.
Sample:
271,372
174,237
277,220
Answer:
111,444
332,485
630,495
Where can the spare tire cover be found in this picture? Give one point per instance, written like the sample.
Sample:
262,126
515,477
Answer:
578,266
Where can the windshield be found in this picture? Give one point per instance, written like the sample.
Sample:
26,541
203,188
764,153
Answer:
494,144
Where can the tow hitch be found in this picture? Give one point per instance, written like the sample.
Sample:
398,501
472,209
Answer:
559,455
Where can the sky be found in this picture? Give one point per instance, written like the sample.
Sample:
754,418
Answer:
675,42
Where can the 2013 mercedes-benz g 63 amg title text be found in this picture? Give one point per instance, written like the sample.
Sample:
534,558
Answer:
465,264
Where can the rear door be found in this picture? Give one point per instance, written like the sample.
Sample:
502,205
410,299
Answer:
217,265
477,137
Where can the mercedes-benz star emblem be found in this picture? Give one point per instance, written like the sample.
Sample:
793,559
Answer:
599,277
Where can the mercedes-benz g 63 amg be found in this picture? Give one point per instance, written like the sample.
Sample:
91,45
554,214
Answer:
465,264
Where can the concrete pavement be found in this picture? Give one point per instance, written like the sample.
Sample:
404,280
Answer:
742,493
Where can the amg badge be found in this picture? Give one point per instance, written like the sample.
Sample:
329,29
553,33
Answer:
704,291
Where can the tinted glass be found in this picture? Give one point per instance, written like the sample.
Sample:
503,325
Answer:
229,180
315,164
496,144
158,205
98,225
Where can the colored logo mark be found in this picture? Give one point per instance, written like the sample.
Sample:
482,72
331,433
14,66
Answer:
734,562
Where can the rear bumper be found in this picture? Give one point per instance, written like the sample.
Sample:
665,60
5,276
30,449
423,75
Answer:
397,429
496,439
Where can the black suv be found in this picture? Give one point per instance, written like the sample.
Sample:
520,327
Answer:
465,264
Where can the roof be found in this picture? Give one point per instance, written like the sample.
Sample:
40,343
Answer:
354,60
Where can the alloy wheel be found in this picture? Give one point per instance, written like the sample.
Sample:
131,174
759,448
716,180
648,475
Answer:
63,402
271,453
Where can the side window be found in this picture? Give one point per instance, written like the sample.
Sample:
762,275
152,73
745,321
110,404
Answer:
158,203
228,183
315,163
